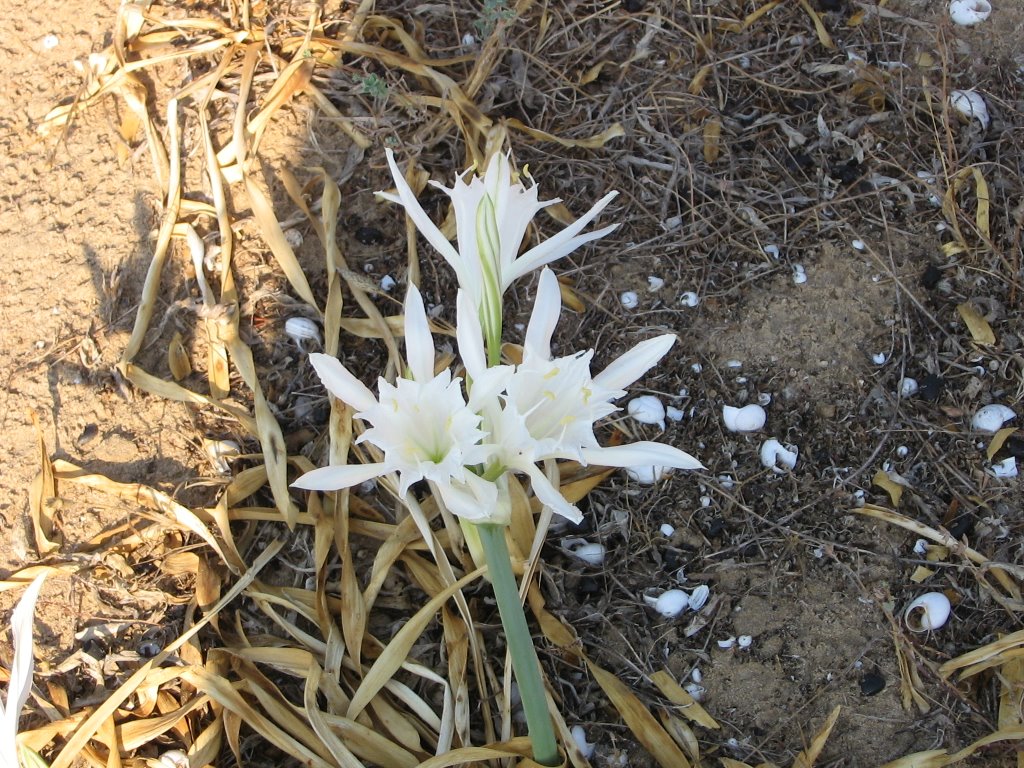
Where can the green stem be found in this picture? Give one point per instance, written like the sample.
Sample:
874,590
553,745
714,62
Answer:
525,664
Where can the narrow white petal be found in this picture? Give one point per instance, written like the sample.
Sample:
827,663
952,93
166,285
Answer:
472,501
642,453
20,685
419,217
342,384
470,336
334,478
419,344
551,496
546,307
635,363
561,244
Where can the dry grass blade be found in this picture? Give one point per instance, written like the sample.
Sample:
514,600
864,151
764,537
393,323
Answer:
396,652
641,722
688,705
597,141
810,755
101,714
43,497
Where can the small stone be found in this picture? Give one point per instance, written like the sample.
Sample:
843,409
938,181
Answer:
872,683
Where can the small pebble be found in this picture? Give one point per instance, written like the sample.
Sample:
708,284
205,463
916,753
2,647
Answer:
902,451
871,684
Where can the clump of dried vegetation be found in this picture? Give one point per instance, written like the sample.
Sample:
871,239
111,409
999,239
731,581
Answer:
324,630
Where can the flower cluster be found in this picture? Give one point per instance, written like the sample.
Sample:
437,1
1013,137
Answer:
463,437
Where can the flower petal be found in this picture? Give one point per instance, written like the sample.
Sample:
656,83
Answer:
549,495
635,363
642,453
342,384
336,477
546,307
415,212
470,336
419,344
20,685
561,244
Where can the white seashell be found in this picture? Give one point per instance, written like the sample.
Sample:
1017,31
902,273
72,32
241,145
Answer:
991,417
778,457
689,299
302,329
971,105
921,547
655,283
908,387
749,418
733,363
1006,468
50,42
697,676
799,275
388,283
744,641
666,530
726,644
696,367
929,611
219,451
293,237
879,358
580,737
699,597
174,758
647,409
468,40
902,451
968,12
695,690
669,603
858,245
646,475
674,414
772,250
629,300
590,553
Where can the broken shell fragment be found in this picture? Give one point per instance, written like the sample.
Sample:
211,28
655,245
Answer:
1006,468
629,300
589,552
968,12
219,451
669,603
302,329
929,611
744,641
991,417
726,644
799,274
647,409
699,597
646,475
696,690
689,299
173,758
749,418
580,737
778,457
971,105
655,283
667,530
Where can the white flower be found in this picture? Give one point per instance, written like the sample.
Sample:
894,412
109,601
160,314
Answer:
22,621
492,215
422,424
549,406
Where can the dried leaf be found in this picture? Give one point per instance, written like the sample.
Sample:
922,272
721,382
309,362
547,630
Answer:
43,499
641,722
177,358
883,480
807,758
593,142
998,440
689,706
980,330
712,140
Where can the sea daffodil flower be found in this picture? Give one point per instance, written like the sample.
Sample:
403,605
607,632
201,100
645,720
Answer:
550,405
492,214
421,423
20,685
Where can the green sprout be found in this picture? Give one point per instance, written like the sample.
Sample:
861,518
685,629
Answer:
493,12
